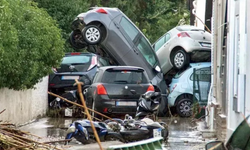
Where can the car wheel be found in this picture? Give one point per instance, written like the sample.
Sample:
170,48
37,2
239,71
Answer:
76,40
92,34
184,107
180,59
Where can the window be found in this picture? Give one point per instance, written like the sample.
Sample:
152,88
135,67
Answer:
76,59
124,77
147,51
203,74
236,65
159,43
129,28
167,37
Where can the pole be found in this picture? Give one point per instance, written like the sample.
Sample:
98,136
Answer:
79,87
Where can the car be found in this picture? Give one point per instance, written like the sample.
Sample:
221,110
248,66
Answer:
109,33
182,45
239,140
182,95
74,65
116,89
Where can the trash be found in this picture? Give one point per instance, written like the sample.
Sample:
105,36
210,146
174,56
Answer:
68,112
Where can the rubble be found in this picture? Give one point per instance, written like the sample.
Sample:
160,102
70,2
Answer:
14,139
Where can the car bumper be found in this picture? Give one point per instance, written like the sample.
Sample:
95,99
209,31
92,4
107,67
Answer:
172,98
116,106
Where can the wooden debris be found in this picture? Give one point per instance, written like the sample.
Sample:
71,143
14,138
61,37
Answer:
14,139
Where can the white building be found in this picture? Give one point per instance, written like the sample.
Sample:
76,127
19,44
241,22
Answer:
229,100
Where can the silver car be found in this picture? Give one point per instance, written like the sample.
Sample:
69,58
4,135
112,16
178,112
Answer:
182,45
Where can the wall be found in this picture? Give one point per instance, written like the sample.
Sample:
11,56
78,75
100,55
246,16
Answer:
24,106
238,82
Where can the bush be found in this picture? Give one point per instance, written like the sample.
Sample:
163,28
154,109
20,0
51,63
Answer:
30,44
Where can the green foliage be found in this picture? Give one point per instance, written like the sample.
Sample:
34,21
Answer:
30,44
64,12
153,17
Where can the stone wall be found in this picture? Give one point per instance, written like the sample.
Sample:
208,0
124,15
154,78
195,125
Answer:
24,106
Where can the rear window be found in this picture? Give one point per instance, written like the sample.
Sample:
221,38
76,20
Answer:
124,77
187,28
76,59
79,63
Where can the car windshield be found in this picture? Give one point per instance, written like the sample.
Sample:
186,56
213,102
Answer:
124,77
75,63
147,51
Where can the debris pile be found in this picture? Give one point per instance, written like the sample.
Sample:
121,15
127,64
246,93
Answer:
14,139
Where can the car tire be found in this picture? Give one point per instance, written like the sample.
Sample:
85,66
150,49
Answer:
92,34
184,107
180,59
76,40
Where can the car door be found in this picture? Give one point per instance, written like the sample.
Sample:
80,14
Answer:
201,79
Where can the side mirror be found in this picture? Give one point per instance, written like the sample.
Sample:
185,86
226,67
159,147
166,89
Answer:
215,145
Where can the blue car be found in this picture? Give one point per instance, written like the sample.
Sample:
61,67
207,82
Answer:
185,84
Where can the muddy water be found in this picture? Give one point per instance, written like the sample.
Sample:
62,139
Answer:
183,134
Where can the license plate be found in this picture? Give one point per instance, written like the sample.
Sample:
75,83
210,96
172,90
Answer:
206,44
126,104
70,77
157,132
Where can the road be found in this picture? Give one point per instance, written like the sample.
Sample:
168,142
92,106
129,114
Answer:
183,134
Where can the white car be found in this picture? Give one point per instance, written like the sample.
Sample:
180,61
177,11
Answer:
182,45
182,88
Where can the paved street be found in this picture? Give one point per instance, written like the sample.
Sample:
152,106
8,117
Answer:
183,134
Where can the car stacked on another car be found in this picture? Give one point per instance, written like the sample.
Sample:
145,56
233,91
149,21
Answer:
109,33
183,85
182,45
73,66
116,89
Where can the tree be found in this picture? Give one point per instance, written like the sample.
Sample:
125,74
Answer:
64,12
30,44
153,17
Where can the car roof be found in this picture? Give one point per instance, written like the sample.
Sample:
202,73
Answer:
200,64
121,68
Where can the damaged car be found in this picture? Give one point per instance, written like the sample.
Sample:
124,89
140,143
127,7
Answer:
109,33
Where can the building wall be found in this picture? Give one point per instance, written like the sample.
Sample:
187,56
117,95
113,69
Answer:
238,70
24,106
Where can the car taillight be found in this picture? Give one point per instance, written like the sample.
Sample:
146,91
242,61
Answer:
101,90
93,62
75,53
183,34
101,10
151,88
52,84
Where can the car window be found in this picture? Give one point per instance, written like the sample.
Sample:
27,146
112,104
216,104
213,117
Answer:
77,63
129,28
124,77
159,43
203,74
76,59
240,137
180,73
167,37
146,51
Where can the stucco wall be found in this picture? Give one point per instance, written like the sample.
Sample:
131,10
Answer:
24,106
